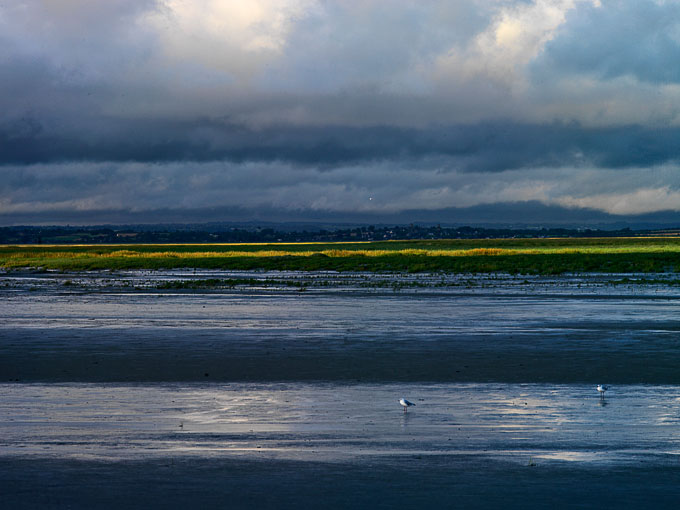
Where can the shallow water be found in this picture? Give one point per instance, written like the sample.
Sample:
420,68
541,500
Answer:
339,422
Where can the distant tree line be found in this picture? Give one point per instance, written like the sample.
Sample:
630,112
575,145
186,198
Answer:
142,234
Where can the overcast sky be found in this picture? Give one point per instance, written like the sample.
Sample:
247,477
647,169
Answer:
450,110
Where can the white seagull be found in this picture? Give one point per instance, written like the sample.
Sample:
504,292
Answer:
405,403
602,388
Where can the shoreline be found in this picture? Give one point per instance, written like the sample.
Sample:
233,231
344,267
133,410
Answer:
220,280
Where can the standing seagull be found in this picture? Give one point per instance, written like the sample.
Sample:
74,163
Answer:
602,388
405,403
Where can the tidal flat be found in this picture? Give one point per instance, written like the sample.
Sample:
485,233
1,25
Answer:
257,389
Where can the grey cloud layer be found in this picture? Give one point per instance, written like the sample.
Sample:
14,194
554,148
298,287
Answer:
347,63
218,191
638,39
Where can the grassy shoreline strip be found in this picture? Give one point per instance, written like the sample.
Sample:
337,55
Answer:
537,257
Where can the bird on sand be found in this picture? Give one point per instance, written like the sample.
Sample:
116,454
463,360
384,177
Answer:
405,403
602,388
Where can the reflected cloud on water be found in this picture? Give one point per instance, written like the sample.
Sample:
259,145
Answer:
334,422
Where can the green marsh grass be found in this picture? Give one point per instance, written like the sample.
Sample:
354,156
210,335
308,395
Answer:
525,256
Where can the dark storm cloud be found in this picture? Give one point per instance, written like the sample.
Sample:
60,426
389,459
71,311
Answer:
484,147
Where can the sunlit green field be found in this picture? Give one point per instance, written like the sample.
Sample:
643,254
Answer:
526,256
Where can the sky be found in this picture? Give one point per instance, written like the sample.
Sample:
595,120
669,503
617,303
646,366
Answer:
451,111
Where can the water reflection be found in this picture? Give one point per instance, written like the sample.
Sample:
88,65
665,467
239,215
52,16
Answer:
405,418
331,421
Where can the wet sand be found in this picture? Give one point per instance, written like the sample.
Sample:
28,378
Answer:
466,482
274,398
617,355
561,330
290,445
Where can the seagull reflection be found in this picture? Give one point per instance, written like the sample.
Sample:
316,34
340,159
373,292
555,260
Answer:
405,418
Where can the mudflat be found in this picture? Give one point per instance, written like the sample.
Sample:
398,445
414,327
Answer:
129,327
124,391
